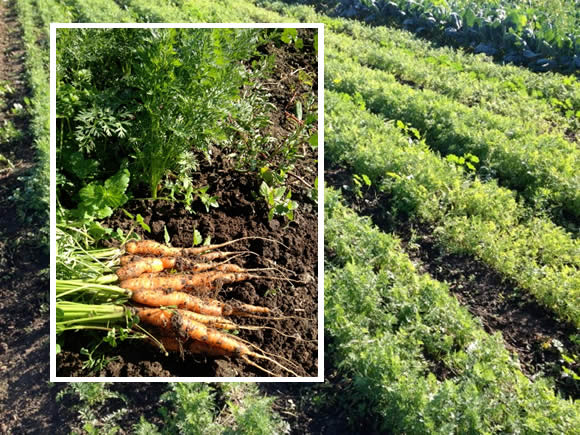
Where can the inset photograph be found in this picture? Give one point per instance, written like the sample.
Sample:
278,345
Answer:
185,216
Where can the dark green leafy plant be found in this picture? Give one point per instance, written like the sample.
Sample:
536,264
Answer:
153,95
98,200
290,36
276,194
540,34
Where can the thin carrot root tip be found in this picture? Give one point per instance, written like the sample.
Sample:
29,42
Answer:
237,308
264,357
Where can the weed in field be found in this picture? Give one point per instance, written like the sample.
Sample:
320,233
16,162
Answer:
290,36
5,163
358,181
98,200
96,361
139,219
276,194
467,160
206,199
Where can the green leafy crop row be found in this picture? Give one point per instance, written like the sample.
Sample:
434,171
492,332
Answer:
478,218
99,11
544,168
187,408
391,329
551,87
509,98
33,198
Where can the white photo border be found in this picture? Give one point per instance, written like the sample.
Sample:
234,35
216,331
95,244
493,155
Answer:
53,28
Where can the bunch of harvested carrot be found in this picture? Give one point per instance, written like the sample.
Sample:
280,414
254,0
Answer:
195,323
202,338
148,258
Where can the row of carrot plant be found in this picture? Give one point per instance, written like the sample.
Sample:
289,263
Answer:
481,219
33,198
419,362
562,92
194,408
466,87
544,168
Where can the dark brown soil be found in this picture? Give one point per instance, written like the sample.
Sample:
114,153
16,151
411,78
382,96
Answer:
528,329
319,408
138,399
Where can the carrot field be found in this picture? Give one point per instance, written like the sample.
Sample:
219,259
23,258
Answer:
451,217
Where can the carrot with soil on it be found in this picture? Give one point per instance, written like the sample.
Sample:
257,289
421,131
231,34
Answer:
215,320
219,322
151,247
173,344
140,265
126,259
219,343
143,265
212,321
201,282
212,307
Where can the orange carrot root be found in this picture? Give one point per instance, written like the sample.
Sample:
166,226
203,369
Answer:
212,307
173,344
212,321
145,265
236,308
219,342
151,247
200,282
126,259
158,298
